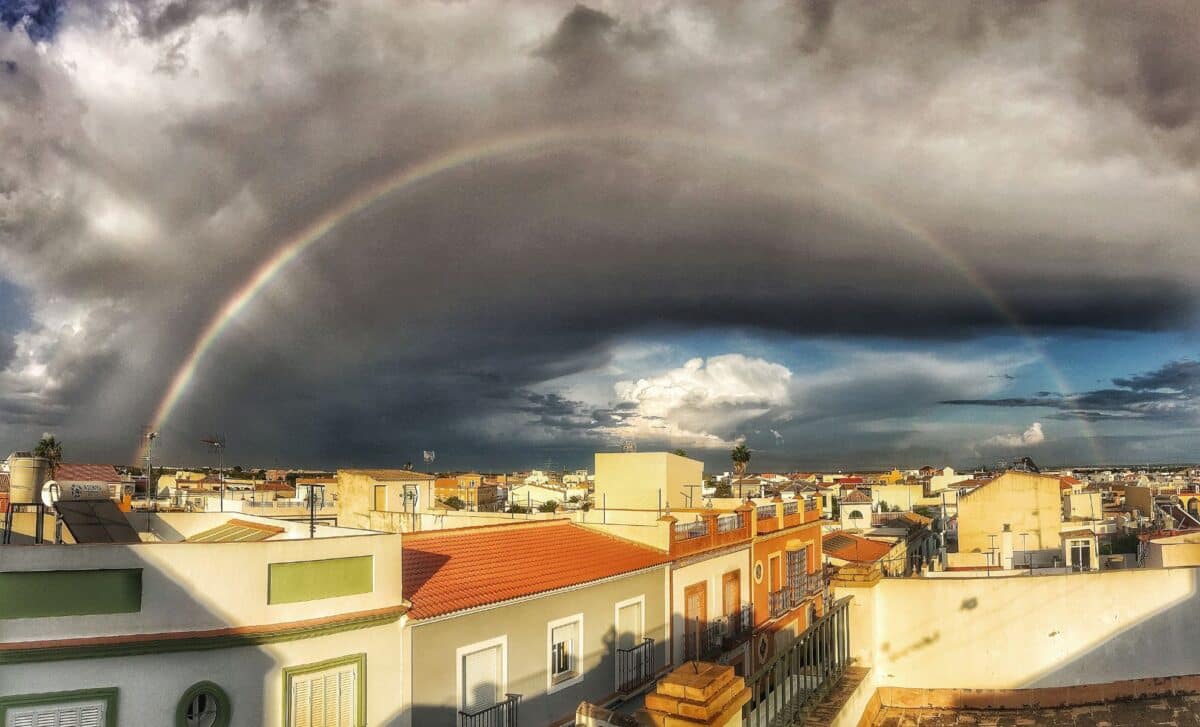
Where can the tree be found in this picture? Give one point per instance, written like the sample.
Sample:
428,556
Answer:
519,509
679,453
548,506
51,449
883,506
741,457
454,502
724,490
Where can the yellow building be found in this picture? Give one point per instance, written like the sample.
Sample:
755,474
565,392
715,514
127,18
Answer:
1028,505
902,495
361,492
648,480
891,478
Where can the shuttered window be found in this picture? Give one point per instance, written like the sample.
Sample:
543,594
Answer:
73,714
327,698
482,678
566,641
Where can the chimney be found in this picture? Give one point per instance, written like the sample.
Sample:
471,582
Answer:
1006,548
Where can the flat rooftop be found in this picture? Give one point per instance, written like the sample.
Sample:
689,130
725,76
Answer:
1181,711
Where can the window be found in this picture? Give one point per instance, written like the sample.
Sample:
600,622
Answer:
326,694
82,708
203,705
1081,555
482,674
566,650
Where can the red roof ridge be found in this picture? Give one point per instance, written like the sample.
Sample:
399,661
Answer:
493,527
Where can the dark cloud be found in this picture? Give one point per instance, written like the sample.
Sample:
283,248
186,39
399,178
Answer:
910,172
39,18
1169,393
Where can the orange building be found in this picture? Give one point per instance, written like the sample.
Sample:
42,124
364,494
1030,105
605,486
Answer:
788,582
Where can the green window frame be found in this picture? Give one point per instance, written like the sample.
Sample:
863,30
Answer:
360,662
223,705
107,695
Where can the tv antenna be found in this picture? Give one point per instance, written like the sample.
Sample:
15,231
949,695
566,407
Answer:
628,445
216,444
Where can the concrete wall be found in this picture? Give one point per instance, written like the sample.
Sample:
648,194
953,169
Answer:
906,497
636,479
1181,550
434,644
1027,503
1029,632
1141,498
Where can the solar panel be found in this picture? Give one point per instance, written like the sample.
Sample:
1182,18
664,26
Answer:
96,521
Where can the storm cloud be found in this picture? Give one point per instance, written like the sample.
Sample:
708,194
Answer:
815,170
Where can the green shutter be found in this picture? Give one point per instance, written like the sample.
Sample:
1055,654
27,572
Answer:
46,594
310,580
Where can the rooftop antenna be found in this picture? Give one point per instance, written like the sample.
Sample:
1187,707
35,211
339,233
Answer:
216,443
628,445
150,436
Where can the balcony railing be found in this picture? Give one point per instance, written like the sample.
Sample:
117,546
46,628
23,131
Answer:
501,714
811,505
687,531
790,507
766,511
788,686
733,521
779,602
712,640
739,625
635,666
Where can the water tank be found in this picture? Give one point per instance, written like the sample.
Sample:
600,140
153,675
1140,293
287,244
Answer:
26,475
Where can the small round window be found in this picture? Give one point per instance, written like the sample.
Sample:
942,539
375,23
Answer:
204,705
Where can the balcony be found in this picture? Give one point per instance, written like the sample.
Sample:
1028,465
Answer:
767,517
501,714
712,530
635,667
738,626
794,594
779,602
812,510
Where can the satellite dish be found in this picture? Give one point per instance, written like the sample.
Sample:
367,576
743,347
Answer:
50,493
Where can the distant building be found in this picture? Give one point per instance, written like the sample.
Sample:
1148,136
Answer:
648,480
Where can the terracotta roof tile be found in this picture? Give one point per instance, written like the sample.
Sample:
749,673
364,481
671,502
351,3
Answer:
69,472
452,570
856,496
845,546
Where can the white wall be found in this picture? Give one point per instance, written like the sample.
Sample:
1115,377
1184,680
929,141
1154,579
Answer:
1038,631
709,570
196,586
150,686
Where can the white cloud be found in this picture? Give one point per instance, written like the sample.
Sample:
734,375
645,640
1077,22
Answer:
1032,436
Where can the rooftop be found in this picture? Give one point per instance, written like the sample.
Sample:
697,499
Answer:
854,548
856,496
390,475
454,570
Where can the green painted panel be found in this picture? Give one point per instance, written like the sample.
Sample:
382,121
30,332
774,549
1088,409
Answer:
46,594
310,580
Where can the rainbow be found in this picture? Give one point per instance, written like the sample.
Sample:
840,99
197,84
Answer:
531,141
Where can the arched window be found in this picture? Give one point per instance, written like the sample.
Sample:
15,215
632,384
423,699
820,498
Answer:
203,705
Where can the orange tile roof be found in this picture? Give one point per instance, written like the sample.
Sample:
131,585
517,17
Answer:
452,570
845,546
69,472
856,496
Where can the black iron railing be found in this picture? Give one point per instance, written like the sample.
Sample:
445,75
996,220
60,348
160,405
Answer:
810,505
791,507
733,521
500,714
687,531
635,666
788,686
778,602
766,511
712,640
739,625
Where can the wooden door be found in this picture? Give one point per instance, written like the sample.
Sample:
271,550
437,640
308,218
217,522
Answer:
695,613
731,597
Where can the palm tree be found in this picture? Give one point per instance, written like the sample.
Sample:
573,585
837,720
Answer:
51,449
741,457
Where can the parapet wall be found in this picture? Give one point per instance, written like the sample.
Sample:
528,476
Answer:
1032,632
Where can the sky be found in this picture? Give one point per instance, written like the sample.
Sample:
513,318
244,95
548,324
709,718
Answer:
847,234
